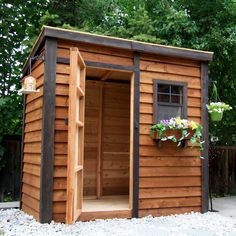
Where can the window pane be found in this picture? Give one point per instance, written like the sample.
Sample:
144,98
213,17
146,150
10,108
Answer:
176,89
163,98
176,99
163,88
167,112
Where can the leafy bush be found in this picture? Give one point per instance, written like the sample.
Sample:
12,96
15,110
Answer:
10,119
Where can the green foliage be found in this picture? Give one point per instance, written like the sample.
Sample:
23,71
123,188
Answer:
10,47
140,23
10,118
10,65
175,26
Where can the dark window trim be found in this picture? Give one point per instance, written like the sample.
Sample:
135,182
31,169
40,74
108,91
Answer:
184,105
169,104
174,94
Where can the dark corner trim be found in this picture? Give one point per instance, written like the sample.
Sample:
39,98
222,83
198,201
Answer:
47,152
136,135
205,162
22,149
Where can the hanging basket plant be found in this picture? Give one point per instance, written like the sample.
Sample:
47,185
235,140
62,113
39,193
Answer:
217,109
178,130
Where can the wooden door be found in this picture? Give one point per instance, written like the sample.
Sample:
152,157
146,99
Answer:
75,136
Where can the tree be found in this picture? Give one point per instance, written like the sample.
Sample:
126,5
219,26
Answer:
216,22
207,25
16,16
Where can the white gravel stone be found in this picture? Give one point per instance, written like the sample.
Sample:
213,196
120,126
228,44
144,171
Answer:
15,222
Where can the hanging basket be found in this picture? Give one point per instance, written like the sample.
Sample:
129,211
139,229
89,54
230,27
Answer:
216,116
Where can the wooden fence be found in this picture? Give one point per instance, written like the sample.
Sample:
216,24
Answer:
222,170
10,174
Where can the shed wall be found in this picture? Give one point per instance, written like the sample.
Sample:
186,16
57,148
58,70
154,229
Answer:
170,177
32,145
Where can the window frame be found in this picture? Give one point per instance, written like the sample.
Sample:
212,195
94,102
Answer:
184,85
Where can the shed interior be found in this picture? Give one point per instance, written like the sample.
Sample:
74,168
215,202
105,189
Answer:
106,181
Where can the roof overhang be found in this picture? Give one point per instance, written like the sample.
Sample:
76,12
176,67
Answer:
77,36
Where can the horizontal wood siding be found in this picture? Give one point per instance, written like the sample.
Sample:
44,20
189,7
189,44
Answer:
95,53
170,177
32,145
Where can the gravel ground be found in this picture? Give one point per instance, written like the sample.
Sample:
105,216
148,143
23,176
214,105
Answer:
15,222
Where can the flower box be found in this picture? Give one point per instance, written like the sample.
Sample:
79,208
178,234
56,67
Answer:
172,134
179,131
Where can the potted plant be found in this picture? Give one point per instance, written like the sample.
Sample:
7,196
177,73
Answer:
216,110
178,130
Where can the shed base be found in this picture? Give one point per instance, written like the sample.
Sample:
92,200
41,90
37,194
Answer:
87,216
106,203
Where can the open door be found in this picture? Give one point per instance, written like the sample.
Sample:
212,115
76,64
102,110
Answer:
75,136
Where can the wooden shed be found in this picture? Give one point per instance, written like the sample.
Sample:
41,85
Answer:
87,153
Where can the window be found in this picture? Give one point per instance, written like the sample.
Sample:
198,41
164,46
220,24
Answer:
170,100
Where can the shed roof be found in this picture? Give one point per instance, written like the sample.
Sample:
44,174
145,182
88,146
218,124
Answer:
132,45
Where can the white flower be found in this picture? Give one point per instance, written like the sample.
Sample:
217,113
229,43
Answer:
219,107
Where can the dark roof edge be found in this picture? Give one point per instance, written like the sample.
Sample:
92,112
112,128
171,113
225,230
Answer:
83,37
34,50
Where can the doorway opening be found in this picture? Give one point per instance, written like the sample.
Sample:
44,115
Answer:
107,179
